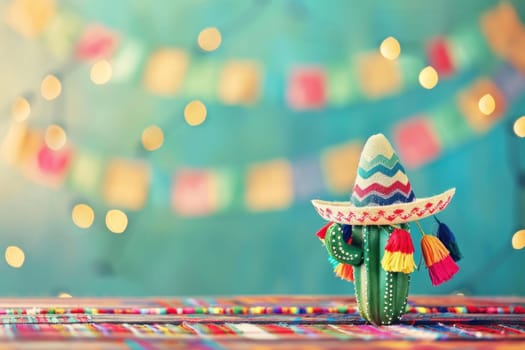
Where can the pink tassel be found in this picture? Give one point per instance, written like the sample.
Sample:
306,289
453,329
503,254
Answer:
443,270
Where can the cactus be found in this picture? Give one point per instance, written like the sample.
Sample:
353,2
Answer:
381,295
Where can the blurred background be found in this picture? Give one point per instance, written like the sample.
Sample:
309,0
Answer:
173,147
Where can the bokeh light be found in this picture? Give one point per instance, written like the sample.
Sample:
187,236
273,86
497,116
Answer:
152,138
390,48
195,113
83,215
487,104
116,221
20,109
428,77
101,72
209,39
519,126
51,87
64,295
55,137
14,256
518,240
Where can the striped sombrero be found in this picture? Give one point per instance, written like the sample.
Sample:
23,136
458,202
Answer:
382,194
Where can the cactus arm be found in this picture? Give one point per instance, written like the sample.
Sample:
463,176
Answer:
339,249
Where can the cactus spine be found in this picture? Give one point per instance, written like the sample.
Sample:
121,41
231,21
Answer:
381,295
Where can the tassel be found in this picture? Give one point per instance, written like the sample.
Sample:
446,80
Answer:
322,232
344,271
441,266
447,237
399,253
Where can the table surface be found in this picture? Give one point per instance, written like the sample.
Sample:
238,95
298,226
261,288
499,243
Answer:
257,322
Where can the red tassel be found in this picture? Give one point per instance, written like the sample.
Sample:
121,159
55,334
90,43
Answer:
399,253
322,232
441,266
345,272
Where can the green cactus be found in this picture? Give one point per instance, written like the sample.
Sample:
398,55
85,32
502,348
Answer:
381,295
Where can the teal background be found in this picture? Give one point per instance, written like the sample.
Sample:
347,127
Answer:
237,251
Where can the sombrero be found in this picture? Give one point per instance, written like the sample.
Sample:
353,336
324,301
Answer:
382,194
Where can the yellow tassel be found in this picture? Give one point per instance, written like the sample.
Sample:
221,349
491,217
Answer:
398,262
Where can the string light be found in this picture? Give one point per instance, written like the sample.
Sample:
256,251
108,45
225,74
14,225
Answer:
116,221
519,126
152,138
390,48
486,104
20,109
14,256
518,240
101,72
83,215
51,87
55,137
428,77
209,39
195,113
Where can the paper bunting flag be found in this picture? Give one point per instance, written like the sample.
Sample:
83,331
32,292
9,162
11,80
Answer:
226,183
165,71
510,82
127,59
194,192
467,46
339,166
469,100
96,42
500,25
410,66
416,141
201,79
126,183
61,35
450,127
269,186
29,17
85,174
378,76
342,85
52,165
13,143
307,177
240,83
439,56
515,54
306,88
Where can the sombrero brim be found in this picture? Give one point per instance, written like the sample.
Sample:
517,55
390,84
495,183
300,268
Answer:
347,213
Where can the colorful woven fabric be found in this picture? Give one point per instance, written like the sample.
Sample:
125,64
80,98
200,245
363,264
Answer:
258,322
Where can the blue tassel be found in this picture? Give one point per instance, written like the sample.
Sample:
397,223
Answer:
347,232
332,261
449,241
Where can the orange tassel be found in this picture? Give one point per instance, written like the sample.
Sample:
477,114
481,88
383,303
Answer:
399,253
345,272
441,266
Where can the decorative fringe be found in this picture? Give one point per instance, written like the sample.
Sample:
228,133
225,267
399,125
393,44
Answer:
441,266
399,253
322,232
344,271
447,238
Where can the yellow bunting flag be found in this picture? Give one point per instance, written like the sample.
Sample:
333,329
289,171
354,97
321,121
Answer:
240,83
340,166
165,71
269,186
126,184
30,17
482,104
500,26
378,76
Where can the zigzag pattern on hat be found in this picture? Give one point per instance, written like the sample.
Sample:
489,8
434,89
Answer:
381,180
